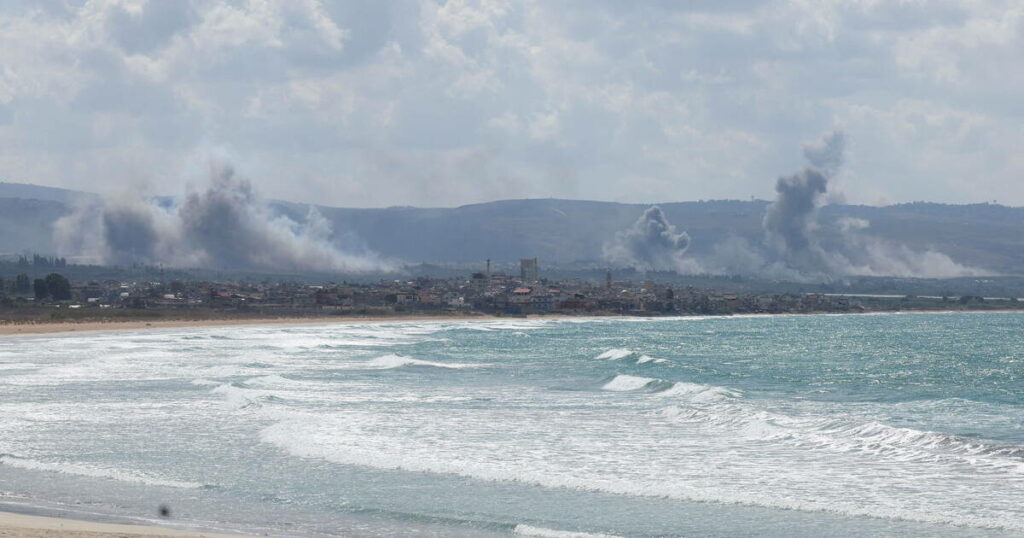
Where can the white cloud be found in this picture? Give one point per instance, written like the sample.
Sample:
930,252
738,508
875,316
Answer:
426,103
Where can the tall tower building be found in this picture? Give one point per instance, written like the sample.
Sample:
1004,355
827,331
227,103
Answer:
528,269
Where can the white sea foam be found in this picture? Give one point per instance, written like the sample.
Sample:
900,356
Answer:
387,362
697,392
95,472
317,438
911,445
541,532
692,392
842,435
239,397
627,383
648,437
616,354
274,381
18,366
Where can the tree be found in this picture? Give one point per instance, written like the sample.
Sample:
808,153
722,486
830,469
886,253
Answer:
22,284
39,286
58,287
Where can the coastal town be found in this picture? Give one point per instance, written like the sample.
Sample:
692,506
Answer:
480,293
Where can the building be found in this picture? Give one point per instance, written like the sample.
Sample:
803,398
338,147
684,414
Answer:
528,269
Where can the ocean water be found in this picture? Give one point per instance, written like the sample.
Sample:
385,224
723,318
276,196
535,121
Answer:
858,425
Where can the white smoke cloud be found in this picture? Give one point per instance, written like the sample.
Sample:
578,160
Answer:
225,225
828,153
867,255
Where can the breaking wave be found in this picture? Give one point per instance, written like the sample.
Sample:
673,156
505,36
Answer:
541,532
388,362
631,383
616,354
306,439
94,472
275,381
846,435
237,396
693,392
724,408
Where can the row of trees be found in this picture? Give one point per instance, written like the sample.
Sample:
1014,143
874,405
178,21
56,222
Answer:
55,287
19,285
42,261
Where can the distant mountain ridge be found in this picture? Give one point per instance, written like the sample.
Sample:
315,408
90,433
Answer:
28,191
572,232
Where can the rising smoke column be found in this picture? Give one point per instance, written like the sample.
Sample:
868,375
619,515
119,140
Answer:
226,225
791,222
791,247
827,154
122,230
233,229
652,243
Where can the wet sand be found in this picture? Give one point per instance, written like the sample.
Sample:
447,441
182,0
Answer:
9,329
25,526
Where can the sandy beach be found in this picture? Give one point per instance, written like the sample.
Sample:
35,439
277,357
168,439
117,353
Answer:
14,329
25,526
8,328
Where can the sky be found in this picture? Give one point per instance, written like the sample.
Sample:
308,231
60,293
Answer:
381,103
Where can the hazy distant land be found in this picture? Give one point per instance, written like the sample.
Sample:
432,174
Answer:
569,235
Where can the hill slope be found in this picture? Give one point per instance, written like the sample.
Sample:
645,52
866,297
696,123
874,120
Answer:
567,232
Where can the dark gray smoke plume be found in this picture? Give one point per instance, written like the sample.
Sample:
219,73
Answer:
224,226
130,233
793,247
791,222
652,243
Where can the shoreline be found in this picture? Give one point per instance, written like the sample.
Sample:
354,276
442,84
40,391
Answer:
55,327
14,329
18,525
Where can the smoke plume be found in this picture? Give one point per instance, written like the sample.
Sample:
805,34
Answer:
792,245
792,233
791,222
828,153
652,243
226,226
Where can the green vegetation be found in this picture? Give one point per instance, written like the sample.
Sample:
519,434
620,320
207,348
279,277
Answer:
54,287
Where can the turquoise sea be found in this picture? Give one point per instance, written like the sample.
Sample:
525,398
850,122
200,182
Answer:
813,425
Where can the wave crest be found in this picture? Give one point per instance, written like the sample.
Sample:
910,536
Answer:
617,353
388,362
694,392
79,469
